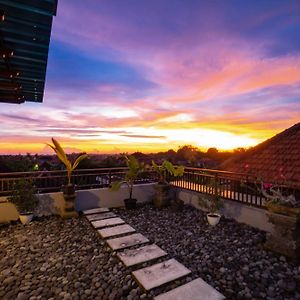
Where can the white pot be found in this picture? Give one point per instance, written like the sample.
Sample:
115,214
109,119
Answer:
25,219
213,218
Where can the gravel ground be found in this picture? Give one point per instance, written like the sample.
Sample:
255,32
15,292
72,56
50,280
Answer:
66,259
61,259
230,256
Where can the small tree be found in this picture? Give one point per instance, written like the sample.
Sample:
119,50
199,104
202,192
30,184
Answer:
24,196
135,168
64,159
166,167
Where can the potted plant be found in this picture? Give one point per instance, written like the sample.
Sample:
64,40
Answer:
162,198
69,188
135,168
24,198
279,201
284,213
213,204
177,204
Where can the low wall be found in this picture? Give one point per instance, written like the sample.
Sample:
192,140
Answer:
52,203
253,216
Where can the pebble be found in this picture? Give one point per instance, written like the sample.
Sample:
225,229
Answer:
229,256
65,259
69,261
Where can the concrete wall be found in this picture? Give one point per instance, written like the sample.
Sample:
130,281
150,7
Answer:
52,203
249,215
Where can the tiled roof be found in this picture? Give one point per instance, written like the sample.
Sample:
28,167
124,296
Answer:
275,160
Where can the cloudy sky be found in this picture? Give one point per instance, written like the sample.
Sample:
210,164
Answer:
152,75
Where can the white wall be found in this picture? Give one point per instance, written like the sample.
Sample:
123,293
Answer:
250,215
52,203
87,199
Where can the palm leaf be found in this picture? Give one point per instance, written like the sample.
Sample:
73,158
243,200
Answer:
78,160
61,153
116,185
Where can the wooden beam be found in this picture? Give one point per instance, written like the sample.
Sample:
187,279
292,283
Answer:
10,86
12,99
9,73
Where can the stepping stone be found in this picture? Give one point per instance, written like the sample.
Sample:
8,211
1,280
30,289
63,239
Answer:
131,257
127,241
107,222
114,231
95,210
161,273
197,289
100,216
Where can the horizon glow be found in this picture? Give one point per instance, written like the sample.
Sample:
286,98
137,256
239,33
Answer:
155,75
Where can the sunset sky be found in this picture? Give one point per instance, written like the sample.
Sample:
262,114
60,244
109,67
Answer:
140,75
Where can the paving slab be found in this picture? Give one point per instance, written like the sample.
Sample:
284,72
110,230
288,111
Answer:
114,231
161,273
107,222
95,210
131,257
102,216
127,241
197,289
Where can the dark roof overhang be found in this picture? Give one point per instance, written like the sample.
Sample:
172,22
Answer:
25,30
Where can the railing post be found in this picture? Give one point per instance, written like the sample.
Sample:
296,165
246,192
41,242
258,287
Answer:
109,178
216,185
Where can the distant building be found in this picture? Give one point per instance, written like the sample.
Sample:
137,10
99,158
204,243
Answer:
275,160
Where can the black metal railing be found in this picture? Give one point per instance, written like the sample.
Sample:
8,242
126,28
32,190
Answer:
52,181
238,187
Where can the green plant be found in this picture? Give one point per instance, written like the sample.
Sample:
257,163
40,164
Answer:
166,167
64,159
24,196
134,170
211,202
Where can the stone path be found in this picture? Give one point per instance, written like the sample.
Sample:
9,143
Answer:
127,241
107,222
95,210
161,273
152,276
192,290
100,216
115,231
143,254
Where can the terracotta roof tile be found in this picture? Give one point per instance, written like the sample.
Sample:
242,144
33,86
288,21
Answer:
272,158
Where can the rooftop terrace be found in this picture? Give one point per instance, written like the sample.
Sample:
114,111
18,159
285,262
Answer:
66,259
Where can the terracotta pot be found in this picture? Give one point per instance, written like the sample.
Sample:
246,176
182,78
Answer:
213,218
162,197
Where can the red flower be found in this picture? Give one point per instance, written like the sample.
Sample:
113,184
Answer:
267,185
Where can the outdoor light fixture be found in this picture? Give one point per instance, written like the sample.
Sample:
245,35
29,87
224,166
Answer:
2,16
5,52
19,87
9,73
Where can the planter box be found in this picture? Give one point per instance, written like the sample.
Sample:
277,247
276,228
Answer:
286,236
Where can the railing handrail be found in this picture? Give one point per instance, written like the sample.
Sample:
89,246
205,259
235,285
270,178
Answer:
230,184
61,171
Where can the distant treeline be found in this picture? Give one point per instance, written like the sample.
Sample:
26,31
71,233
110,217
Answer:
186,155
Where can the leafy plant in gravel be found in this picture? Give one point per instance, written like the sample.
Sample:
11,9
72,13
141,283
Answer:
25,199
135,168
